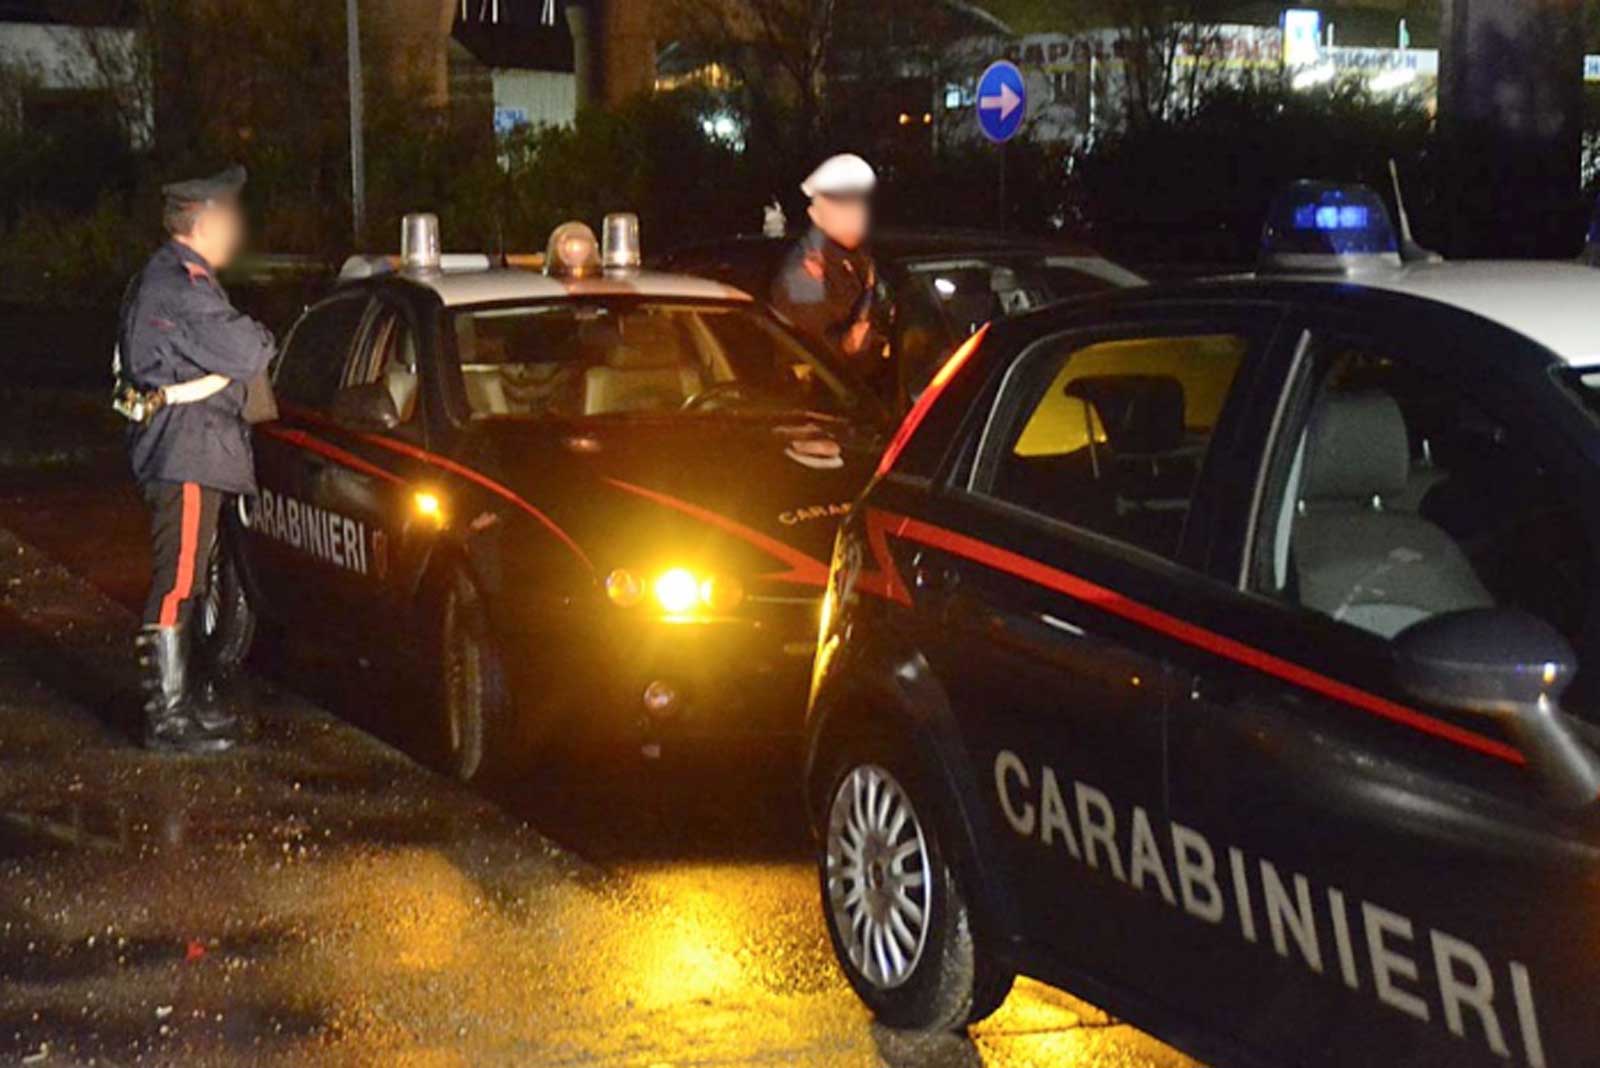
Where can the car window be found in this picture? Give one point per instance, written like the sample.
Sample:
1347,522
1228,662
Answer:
922,337
1393,496
312,365
972,290
388,354
626,357
1110,434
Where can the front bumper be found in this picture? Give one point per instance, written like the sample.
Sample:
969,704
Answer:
744,675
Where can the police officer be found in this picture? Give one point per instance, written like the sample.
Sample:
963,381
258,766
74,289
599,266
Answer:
178,327
827,281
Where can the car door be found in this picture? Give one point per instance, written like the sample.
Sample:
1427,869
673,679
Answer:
378,494
1390,883
1072,507
286,575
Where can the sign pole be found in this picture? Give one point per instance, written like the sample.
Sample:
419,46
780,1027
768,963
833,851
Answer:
1002,107
358,155
1005,150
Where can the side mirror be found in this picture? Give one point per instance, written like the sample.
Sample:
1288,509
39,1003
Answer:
1514,667
368,407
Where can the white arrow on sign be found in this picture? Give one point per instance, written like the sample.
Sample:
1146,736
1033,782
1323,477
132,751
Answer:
1006,102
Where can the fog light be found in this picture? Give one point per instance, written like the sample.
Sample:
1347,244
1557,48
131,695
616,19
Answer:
677,591
624,588
660,698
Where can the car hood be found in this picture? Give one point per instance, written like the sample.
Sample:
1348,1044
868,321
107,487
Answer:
757,496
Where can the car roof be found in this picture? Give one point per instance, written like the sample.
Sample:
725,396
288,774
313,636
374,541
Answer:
510,284
1555,304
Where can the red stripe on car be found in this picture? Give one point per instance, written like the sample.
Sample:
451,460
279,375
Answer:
433,459
305,441
1110,601
803,570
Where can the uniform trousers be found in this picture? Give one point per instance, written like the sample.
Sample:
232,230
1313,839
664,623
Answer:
183,526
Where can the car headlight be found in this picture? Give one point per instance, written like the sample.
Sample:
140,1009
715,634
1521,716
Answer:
677,591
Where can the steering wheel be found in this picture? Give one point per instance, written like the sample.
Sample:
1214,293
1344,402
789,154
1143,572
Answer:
712,393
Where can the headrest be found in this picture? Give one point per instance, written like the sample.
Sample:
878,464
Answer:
1142,415
1356,448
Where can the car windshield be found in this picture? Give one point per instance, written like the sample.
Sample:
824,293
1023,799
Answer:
620,357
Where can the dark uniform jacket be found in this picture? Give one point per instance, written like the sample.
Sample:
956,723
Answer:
177,325
825,288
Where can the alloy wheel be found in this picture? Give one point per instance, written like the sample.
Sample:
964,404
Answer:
878,876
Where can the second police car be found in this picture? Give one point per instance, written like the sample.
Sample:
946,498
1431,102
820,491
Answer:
592,500
1229,653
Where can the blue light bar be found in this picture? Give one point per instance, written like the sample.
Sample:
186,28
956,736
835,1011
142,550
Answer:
1321,224
1331,217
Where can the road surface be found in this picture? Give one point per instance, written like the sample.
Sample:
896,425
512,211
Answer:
319,899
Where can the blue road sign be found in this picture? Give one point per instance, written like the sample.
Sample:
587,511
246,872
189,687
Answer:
1002,101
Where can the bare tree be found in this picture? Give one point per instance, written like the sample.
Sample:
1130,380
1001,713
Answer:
1169,49
777,51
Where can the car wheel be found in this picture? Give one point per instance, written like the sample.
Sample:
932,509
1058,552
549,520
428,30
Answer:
470,683
893,902
226,621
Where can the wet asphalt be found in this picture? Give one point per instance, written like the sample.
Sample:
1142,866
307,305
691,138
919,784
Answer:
318,898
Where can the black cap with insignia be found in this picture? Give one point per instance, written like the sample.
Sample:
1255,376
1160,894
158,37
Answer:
223,185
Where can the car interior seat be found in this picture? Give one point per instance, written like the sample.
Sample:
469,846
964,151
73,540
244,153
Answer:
1146,462
639,365
1356,557
400,375
482,355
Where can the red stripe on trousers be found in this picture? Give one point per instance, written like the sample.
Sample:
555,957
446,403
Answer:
183,580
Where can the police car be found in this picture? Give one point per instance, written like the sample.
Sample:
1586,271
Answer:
589,501
1229,653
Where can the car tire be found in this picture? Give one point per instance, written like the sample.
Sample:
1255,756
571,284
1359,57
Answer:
469,687
882,863
226,621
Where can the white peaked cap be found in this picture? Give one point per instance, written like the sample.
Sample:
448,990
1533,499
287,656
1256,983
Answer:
844,175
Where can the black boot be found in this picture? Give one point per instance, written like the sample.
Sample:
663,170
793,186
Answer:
170,722
214,709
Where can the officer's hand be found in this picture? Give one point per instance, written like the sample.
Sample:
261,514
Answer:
154,401
856,339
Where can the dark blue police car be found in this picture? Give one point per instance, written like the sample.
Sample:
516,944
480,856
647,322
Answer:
588,502
1229,653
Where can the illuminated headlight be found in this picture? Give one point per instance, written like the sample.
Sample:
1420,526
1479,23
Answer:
677,591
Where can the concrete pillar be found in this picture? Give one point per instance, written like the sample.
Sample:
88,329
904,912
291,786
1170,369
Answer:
614,49
1511,111
586,70
629,56
411,39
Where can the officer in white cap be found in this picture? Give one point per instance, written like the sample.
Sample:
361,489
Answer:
827,281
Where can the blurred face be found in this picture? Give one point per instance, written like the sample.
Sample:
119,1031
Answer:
219,232
844,219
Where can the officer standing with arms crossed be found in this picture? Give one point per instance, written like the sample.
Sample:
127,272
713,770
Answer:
178,333
827,283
